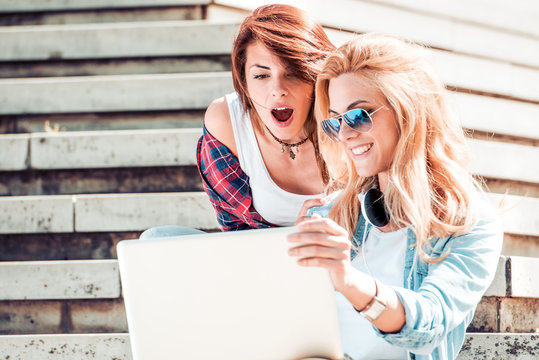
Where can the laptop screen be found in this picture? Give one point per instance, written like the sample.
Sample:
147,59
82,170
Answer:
235,295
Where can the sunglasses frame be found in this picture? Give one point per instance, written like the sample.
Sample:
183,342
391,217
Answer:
347,121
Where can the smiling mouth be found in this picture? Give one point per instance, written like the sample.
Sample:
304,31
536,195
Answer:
360,150
282,113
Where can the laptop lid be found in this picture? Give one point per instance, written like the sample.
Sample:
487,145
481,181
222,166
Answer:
234,295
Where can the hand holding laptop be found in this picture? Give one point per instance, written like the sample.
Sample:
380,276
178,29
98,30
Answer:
323,243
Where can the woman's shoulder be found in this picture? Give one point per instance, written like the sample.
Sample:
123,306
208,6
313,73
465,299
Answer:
218,123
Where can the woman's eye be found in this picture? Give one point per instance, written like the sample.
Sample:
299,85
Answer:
260,76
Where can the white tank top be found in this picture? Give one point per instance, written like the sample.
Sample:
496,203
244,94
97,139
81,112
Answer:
274,204
384,255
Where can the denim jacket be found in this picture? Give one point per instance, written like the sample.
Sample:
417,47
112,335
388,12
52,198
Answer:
440,299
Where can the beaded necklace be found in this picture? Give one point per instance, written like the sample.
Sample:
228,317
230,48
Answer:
289,146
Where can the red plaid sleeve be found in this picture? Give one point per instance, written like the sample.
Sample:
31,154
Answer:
227,186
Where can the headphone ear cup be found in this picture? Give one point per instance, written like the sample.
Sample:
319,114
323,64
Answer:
373,208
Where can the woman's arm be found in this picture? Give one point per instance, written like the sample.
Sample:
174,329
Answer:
451,290
323,243
417,320
223,179
217,122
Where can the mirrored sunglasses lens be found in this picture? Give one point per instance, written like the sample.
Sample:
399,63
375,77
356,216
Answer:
331,127
358,119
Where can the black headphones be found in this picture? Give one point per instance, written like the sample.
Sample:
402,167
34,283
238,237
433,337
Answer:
373,207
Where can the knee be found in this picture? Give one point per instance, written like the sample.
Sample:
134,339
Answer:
167,231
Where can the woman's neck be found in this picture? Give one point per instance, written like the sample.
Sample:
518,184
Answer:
383,179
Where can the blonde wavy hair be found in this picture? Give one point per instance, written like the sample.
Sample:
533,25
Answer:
429,187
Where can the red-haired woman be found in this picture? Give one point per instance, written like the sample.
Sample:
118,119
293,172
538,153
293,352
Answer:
258,156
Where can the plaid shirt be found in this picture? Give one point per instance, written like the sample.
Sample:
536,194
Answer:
227,186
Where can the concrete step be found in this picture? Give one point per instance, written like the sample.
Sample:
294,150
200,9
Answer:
102,245
489,114
137,212
515,277
62,316
46,280
520,245
9,6
472,72
116,40
521,17
60,308
481,113
475,74
117,346
63,246
173,147
175,92
506,314
183,38
99,279
99,181
173,119
105,149
500,160
518,213
438,32
493,314
500,346
95,67
66,347
103,15
112,93
104,212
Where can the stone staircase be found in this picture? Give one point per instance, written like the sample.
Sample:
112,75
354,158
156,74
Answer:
101,104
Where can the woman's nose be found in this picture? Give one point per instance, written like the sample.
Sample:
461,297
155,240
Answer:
346,132
279,88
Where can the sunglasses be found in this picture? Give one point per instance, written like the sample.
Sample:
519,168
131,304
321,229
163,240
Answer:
359,120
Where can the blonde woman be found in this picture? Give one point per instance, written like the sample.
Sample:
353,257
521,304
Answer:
408,285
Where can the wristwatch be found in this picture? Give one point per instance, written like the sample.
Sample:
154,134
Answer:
375,308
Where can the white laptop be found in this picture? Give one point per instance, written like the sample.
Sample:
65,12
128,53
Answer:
234,295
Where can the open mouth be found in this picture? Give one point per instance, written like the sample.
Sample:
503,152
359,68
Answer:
282,113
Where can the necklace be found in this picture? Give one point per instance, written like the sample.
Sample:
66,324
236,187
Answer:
289,146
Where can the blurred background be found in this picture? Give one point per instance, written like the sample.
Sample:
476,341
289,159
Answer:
101,106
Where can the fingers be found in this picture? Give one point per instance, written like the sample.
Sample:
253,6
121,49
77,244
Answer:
305,218
318,224
320,239
319,252
327,264
309,204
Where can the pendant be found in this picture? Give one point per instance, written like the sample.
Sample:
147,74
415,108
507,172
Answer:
292,155
282,148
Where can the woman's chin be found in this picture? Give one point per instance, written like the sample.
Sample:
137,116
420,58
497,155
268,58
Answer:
365,171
